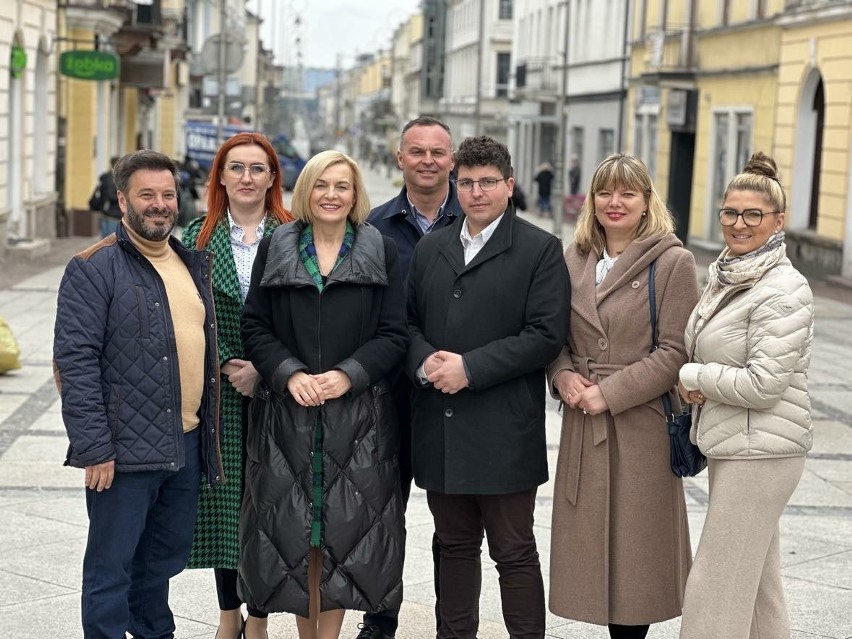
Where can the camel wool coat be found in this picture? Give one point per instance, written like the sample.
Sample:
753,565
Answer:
620,548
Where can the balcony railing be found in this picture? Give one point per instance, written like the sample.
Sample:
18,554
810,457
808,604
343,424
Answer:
537,75
668,52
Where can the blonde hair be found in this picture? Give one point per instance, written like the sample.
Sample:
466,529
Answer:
316,166
761,176
624,171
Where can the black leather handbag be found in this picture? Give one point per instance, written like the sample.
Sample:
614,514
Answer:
686,459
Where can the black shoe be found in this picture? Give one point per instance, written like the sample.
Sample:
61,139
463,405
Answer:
372,632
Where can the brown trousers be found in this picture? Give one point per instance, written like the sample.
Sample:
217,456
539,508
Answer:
460,521
734,588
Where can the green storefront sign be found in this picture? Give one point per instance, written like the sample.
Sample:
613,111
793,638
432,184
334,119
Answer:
89,65
18,61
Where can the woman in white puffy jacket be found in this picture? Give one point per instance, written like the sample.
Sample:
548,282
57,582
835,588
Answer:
750,339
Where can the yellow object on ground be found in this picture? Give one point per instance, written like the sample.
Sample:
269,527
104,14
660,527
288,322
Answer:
10,353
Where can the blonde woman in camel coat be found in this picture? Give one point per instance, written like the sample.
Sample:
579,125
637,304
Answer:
620,548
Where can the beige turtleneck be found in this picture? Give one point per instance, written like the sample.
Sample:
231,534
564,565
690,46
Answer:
187,316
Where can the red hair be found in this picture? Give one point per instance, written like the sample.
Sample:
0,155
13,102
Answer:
217,197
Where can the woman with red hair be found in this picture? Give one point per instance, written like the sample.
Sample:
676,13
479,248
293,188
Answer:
244,204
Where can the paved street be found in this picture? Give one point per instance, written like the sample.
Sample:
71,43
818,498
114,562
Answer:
43,521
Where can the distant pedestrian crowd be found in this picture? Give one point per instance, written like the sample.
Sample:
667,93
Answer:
257,396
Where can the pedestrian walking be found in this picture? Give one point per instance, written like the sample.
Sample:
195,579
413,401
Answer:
428,201
244,204
619,550
322,529
488,302
750,336
135,361
105,201
544,180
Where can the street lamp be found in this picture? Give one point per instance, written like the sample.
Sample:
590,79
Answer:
559,181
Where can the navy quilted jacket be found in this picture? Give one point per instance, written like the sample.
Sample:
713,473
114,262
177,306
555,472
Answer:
116,362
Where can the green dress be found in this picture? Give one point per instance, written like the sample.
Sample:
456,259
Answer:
217,540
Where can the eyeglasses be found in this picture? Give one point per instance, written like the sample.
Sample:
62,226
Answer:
751,217
486,184
238,169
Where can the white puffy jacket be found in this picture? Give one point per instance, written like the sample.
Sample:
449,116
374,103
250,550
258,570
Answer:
751,362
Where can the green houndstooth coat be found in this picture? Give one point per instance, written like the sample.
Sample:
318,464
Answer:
217,543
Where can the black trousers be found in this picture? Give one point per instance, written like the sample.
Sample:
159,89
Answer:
461,521
226,578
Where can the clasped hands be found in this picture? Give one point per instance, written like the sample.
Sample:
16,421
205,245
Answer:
445,371
690,397
580,393
315,390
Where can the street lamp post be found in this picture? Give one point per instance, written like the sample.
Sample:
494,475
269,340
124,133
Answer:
220,118
559,169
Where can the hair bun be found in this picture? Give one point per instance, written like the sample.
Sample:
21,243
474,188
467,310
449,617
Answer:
762,164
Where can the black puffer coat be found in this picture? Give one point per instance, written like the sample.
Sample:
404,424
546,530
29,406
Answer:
357,325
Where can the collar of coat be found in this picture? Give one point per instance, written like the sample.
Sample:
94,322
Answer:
451,247
364,264
630,267
225,279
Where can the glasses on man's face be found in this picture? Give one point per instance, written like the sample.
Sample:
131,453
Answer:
486,184
751,217
238,169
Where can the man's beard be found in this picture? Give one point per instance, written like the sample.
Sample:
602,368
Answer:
151,232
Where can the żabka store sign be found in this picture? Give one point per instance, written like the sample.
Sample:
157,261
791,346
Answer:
89,65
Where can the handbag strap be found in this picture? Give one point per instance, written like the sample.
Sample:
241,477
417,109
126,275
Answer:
652,303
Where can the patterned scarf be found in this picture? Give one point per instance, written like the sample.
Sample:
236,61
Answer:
737,270
308,252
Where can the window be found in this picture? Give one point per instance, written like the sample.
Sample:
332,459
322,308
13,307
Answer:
505,9
732,132
503,61
645,140
577,144
606,143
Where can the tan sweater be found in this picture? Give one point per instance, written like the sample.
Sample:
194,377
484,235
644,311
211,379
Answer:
187,315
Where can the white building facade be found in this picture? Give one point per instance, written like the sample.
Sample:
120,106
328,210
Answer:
594,84
28,134
477,67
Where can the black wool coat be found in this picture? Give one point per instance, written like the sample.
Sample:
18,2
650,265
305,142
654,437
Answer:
357,325
507,314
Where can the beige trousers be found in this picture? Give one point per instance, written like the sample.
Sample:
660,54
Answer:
734,588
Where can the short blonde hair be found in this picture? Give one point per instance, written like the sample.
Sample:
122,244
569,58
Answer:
624,171
316,166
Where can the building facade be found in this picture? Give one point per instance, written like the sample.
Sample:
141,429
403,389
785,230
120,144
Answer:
477,60
590,73
28,133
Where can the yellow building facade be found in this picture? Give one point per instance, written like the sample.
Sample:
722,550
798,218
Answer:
813,133
712,83
142,108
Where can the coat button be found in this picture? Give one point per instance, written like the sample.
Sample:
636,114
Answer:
602,343
212,380
168,411
457,293
448,412
635,284
165,358
156,304
217,477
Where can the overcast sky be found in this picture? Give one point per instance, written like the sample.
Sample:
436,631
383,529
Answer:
329,27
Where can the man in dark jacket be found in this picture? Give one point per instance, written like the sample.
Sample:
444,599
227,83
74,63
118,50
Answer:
488,309
427,202
135,361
